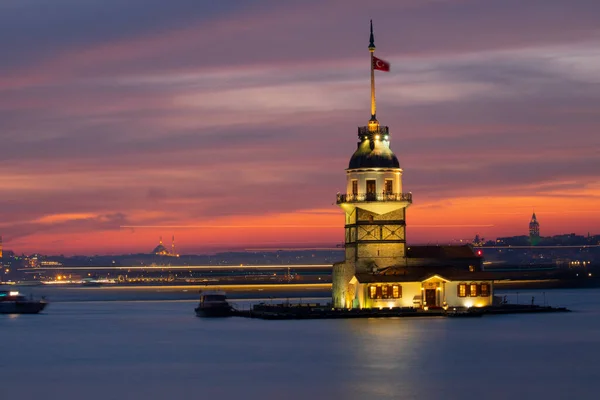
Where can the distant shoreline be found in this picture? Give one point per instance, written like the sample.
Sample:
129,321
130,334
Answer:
242,292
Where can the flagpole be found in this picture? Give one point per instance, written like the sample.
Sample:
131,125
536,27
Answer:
373,104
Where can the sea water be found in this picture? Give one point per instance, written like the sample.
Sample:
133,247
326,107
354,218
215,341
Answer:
157,349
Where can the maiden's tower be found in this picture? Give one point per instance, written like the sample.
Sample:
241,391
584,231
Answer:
379,270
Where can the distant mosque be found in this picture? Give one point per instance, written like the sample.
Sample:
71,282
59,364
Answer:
161,250
379,269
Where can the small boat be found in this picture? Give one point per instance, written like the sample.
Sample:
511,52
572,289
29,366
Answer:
12,302
88,282
29,283
213,304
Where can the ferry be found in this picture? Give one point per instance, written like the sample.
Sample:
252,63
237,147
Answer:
12,302
213,304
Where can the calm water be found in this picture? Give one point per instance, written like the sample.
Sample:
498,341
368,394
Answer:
160,350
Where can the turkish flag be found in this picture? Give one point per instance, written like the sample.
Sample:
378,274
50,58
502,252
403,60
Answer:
380,64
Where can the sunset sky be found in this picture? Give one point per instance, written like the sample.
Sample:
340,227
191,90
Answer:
229,123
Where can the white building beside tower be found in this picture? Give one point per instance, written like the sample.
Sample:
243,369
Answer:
379,270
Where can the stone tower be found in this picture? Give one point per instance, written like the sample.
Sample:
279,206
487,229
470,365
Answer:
534,230
374,204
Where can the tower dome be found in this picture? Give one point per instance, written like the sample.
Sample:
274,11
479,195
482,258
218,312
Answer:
373,153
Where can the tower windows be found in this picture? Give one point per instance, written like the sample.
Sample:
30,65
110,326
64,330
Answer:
389,186
354,187
371,190
371,186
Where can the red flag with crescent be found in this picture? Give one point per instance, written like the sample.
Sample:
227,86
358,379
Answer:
380,64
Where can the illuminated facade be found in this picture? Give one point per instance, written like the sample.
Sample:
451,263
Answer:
379,270
430,291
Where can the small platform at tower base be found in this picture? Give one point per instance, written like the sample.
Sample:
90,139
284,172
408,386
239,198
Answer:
318,311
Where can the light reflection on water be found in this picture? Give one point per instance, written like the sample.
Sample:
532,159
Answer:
160,350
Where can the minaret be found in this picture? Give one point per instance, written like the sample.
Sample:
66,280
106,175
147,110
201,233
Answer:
534,230
173,245
375,206
0,247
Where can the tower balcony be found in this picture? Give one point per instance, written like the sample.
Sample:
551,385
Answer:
380,132
374,197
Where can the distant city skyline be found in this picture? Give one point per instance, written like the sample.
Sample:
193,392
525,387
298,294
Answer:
234,121
214,247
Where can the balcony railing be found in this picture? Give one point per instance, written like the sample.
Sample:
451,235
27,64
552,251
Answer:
382,131
363,197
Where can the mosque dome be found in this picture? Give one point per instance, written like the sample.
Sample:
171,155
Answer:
160,249
373,154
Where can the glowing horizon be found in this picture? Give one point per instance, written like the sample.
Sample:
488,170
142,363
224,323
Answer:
230,126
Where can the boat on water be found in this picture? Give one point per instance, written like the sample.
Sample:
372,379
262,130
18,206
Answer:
213,304
90,282
29,283
12,302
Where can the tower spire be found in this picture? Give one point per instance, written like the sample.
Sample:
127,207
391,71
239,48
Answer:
373,123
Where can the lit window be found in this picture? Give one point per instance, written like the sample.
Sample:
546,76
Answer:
384,291
485,290
473,290
389,186
372,292
462,290
371,186
396,292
